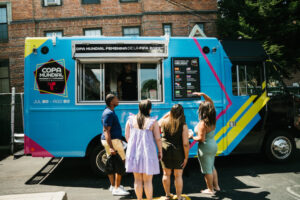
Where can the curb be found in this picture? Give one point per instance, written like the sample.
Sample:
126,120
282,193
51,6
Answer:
37,196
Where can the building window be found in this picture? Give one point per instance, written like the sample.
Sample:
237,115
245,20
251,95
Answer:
201,26
51,33
167,29
90,1
131,31
3,24
92,32
125,1
132,82
4,76
52,2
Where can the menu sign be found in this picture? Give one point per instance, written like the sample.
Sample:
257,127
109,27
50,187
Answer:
185,78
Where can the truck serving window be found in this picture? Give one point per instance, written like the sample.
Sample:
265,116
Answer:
247,79
132,82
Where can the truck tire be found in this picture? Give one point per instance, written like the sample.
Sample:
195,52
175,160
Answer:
280,147
97,160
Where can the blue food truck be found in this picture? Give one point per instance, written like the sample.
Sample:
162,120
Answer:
67,79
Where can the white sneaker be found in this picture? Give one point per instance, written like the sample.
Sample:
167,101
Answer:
120,192
111,188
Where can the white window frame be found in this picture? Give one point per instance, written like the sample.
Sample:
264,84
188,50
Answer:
78,89
52,2
131,27
92,29
54,32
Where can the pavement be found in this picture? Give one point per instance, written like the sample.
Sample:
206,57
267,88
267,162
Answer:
241,177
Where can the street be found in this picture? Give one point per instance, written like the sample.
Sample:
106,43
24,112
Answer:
240,177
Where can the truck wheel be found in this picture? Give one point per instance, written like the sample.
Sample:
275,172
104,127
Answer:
97,160
280,147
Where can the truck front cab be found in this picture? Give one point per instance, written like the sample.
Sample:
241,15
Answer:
256,76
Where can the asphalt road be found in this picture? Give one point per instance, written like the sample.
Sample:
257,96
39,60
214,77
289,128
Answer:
241,177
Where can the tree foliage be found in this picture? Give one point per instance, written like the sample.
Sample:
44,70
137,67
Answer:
274,22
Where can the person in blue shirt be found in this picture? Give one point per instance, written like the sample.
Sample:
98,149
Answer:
111,141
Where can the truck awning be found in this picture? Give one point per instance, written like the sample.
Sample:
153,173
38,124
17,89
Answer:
244,50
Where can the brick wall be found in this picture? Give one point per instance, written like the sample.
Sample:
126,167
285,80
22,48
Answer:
31,19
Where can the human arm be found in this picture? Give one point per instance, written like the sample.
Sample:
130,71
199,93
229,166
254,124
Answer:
157,137
186,145
205,96
106,130
127,131
201,132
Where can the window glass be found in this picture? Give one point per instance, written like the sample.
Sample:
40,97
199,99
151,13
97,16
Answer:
149,81
4,76
128,1
167,29
131,31
3,15
247,79
92,32
201,26
90,1
127,86
50,33
129,81
3,24
91,82
274,82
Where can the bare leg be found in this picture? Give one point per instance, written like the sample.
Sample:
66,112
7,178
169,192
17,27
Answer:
111,178
138,185
166,180
147,179
178,182
215,180
118,180
209,182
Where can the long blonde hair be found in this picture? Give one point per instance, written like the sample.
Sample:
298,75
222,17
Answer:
175,121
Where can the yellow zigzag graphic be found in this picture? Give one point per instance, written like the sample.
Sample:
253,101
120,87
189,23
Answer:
245,119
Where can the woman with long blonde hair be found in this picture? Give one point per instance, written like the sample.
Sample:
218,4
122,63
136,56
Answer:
175,142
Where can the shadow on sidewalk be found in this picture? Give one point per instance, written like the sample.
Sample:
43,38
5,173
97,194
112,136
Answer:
76,172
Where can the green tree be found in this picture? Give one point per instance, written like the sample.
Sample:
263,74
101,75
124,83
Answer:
276,23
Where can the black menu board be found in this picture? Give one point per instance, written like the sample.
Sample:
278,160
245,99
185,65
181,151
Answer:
185,78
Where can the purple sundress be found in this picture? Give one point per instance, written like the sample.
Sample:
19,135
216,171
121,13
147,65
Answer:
141,153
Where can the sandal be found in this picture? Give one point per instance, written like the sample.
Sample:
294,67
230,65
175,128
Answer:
207,191
169,197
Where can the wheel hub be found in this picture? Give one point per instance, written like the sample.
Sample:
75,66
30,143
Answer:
281,147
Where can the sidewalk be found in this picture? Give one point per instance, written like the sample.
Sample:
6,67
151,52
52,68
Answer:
36,196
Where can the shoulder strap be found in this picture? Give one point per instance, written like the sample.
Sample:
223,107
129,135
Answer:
130,120
151,122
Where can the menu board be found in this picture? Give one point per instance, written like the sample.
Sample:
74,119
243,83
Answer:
185,78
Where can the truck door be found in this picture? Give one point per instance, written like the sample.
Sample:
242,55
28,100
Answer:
248,88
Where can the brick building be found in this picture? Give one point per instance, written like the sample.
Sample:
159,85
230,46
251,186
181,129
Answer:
34,18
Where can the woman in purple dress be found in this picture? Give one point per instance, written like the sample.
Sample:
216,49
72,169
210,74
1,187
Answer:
142,159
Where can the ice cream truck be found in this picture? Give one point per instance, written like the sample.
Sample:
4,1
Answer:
67,79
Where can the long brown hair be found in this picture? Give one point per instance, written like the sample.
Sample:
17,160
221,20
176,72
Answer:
175,121
207,113
144,111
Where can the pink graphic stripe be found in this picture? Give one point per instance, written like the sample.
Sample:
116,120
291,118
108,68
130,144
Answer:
218,80
33,148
